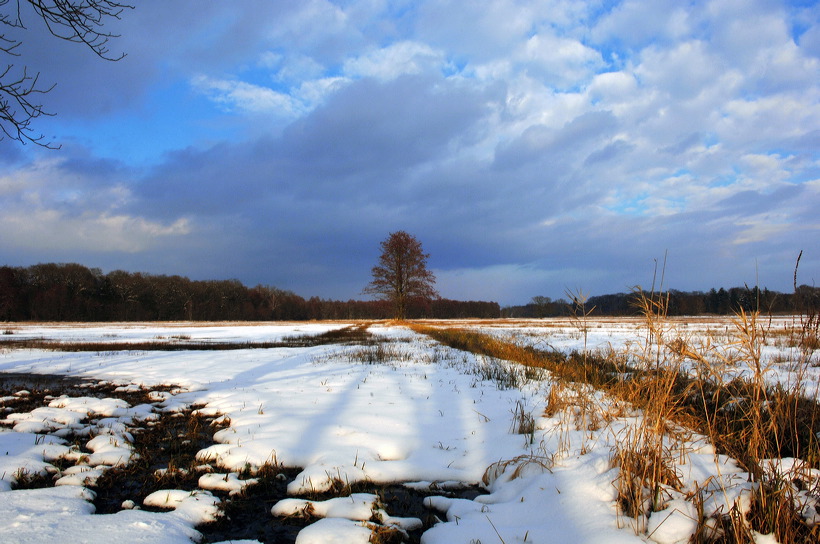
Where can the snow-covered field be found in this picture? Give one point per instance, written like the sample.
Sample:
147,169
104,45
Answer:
425,415
715,337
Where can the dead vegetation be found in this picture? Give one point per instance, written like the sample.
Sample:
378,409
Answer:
681,385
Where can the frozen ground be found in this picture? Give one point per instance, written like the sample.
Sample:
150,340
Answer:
425,415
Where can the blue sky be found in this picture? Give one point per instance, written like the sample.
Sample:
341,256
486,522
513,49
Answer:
532,147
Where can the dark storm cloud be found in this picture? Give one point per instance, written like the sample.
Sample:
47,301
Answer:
358,147
159,39
83,83
372,126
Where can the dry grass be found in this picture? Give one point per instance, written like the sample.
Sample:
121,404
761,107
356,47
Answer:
574,367
681,383
379,352
382,534
748,419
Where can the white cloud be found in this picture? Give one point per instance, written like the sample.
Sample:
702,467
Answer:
810,40
479,30
383,64
316,26
637,23
763,227
313,92
248,98
397,59
746,121
682,71
52,206
559,60
41,229
771,168
292,68
612,87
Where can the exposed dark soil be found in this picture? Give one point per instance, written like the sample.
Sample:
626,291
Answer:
42,388
167,460
249,517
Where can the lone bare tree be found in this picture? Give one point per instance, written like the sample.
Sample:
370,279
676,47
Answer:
78,21
402,273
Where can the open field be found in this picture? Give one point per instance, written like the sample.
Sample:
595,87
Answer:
565,430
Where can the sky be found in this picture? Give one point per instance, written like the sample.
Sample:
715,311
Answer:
531,147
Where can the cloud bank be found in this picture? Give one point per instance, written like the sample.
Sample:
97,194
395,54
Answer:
531,146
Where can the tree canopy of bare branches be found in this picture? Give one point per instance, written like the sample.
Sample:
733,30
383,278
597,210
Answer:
402,273
78,21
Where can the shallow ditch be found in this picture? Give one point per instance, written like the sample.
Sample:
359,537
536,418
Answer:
167,449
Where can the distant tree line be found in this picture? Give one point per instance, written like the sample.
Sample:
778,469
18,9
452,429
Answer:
73,292
804,299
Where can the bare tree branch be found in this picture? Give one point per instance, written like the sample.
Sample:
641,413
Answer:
17,109
76,21
12,20
81,21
